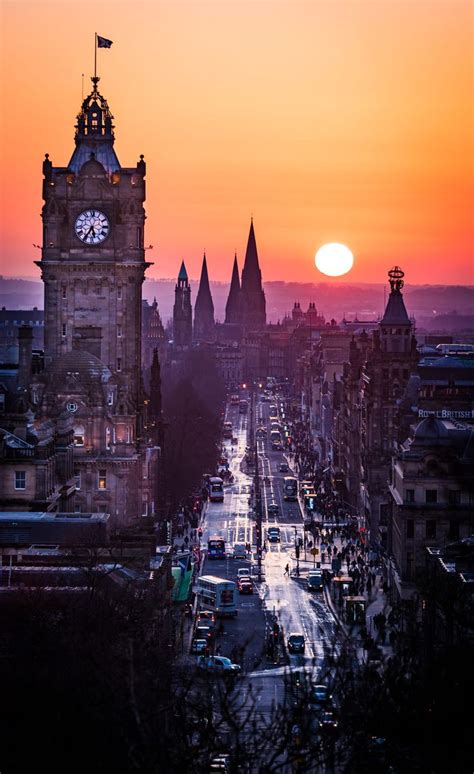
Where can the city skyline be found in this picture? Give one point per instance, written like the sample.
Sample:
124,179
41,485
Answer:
230,131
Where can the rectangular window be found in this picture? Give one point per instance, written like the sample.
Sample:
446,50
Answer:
119,364
119,292
431,496
63,329
102,479
20,479
454,497
139,236
410,567
410,528
430,529
77,478
2,401
119,331
64,291
110,399
453,533
409,495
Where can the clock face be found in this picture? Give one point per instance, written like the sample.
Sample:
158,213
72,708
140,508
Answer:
92,227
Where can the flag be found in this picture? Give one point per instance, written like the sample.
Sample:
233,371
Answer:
103,42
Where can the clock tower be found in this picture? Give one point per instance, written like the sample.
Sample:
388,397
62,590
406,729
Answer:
93,266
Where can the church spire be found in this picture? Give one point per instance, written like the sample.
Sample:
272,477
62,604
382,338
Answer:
251,274
253,297
94,133
204,308
232,307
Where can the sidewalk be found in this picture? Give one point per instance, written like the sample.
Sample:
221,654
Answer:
377,603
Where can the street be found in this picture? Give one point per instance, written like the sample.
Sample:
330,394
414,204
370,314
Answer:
280,596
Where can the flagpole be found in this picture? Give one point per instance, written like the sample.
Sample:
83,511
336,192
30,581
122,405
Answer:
95,55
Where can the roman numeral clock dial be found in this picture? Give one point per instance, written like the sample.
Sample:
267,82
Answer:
92,227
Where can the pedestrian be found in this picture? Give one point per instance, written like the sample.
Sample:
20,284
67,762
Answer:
287,569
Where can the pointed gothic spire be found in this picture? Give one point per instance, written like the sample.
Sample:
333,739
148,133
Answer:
251,275
183,274
204,308
253,298
232,307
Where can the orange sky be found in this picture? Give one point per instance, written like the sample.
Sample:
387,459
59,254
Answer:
336,121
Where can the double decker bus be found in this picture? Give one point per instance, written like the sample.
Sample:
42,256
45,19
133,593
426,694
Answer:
216,489
217,594
216,547
290,488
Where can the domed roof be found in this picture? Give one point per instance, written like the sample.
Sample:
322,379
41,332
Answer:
92,168
430,431
80,366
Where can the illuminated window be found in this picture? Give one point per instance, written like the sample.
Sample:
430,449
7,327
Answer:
77,478
20,479
102,482
79,433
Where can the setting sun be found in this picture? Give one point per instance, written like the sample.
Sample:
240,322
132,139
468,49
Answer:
334,259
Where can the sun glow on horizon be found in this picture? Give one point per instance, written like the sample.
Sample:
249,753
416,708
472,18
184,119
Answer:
334,259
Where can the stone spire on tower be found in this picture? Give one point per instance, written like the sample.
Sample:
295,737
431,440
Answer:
232,307
395,325
182,310
253,313
94,134
204,325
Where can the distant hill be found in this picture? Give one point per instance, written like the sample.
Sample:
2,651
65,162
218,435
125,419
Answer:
338,301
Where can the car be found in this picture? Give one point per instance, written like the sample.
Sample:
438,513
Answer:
315,580
273,509
203,632
245,586
284,467
243,572
240,551
296,642
217,664
206,618
319,696
199,646
327,721
261,432
273,534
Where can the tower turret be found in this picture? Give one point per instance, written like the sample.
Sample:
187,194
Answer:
395,325
204,325
182,310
